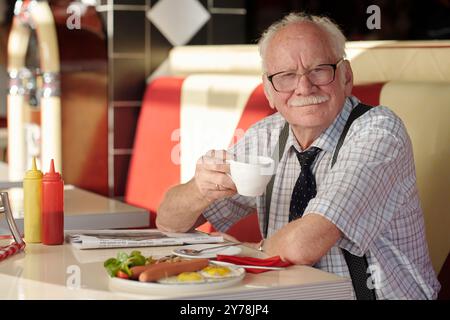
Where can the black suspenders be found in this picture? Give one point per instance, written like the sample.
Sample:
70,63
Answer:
357,265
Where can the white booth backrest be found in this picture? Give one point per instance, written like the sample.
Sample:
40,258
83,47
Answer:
372,61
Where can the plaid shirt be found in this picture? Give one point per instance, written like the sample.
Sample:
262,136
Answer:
370,194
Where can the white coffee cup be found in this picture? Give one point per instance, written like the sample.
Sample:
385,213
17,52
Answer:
252,175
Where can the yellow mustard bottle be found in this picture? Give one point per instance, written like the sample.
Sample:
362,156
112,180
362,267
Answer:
32,204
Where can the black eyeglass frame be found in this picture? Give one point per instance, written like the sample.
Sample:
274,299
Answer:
333,65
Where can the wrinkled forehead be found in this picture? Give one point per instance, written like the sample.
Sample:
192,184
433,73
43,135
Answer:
304,43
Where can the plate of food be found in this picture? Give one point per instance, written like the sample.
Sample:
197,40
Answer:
208,251
137,274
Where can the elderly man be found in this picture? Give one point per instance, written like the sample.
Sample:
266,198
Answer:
344,197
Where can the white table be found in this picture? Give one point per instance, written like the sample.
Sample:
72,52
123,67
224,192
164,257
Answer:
84,210
63,272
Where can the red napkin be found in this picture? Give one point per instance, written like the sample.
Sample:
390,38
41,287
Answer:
10,249
268,262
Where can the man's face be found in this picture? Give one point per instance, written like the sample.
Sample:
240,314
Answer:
301,47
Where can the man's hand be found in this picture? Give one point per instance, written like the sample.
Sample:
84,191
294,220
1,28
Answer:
182,207
211,176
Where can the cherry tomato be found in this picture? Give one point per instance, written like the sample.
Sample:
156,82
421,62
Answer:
123,275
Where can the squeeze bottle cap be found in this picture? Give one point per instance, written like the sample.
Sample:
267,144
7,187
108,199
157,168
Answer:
34,173
52,175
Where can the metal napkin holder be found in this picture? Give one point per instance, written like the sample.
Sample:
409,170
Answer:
6,208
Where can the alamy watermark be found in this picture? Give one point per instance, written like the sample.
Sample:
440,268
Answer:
73,281
252,146
374,20
375,280
75,11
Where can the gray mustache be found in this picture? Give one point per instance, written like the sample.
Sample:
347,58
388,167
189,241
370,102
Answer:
304,101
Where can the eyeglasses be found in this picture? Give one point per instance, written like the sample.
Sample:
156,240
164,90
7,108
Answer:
287,81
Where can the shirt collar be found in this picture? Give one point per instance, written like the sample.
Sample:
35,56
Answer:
327,141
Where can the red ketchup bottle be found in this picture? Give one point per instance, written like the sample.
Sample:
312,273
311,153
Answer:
52,207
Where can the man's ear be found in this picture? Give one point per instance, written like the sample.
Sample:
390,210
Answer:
267,92
348,78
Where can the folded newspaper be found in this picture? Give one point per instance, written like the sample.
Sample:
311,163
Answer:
94,239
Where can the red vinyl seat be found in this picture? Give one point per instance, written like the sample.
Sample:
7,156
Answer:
151,170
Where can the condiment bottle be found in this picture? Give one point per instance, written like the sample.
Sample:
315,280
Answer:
52,207
32,209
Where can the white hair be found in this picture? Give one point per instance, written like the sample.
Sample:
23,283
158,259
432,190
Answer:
336,37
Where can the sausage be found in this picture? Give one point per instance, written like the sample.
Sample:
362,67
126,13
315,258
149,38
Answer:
166,269
136,271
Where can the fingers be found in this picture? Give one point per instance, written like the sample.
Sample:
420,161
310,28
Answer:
211,175
212,179
219,154
224,168
215,160
216,195
213,191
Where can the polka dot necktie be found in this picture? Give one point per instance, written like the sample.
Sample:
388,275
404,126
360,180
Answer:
305,187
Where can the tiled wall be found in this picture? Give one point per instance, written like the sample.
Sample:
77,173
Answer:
140,36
